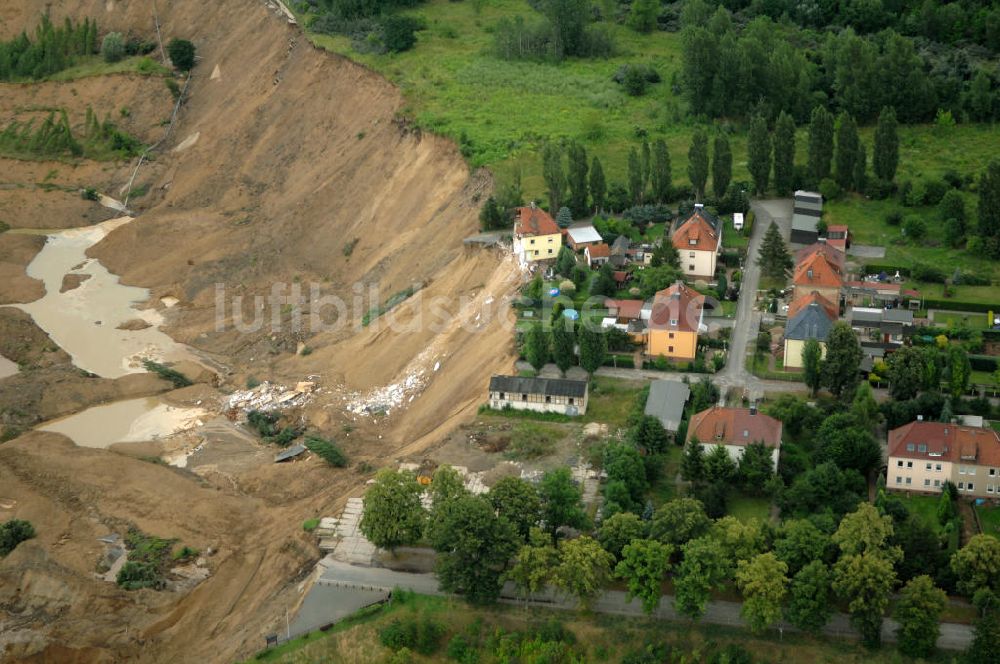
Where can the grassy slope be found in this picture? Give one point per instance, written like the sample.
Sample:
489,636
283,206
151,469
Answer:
455,86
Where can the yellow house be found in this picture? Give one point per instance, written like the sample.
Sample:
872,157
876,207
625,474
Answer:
536,235
809,317
674,323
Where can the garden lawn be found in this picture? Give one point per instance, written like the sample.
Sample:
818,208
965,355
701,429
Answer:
990,518
745,507
612,400
976,321
924,508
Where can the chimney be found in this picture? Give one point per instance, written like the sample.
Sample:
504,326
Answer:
753,408
920,418
532,205
699,206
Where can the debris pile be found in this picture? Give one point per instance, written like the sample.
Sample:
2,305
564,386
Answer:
382,400
269,396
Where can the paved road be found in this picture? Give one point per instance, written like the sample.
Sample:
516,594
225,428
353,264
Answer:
341,581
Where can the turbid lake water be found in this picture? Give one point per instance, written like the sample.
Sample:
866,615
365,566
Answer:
7,367
83,320
129,421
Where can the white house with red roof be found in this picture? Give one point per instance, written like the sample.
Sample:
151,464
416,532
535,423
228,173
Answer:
698,240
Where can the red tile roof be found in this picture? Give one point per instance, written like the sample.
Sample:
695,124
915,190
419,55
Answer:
817,270
801,303
620,276
600,250
630,309
734,426
534,221
696,233
947,442
677,308
835,255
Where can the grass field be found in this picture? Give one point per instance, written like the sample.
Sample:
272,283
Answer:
94,65
491,633
924,508
976,321
612,400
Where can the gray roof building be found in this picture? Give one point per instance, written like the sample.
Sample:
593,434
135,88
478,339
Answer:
813,322
552,387
666,402
806,211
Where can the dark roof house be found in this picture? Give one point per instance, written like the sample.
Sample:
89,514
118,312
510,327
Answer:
666,402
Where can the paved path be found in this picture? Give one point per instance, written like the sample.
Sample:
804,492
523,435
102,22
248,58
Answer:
340,583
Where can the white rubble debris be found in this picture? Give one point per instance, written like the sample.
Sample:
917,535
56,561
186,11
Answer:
270,396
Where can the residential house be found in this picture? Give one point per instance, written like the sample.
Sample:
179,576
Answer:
666,402
806,212
698,239
626,315
542,395
734,429
880,294
839,237
923,455
818,272
834,255
809,317
579,237
536,235
674,323
884,326
620,251
597,254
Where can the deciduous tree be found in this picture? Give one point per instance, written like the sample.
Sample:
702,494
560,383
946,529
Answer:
848,145
784,154
843,357
593,348
518,502
535,563
812,364
661,176
759,154
800,542
722,165
619,530
763,582
553,174
906,372
920,606
678,521
598,185
583,570
181,53
561,500
885,157
959,370
703,567
393,514
810,606
865,582
474,547
643,565
577,179
698,162
642,16
562,346
820,144
977,565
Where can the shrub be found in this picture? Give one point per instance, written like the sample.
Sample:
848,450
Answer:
894,218
133,576
326,450
89,194
422,636
879,189
829,189
310,525
185,552
166,373
181,53
400,33
14,532
914,227
175,89
113,47
934,191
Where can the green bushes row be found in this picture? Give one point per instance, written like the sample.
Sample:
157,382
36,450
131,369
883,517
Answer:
166,373
326,450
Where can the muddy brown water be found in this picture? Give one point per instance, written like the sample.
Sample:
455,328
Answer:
7,367
83,320
129,421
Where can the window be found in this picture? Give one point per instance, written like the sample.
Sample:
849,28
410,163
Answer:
937,483
571,401
548,399
910,447
536,252
989,488
670,335
937,467
927,482
922,447
550,251
909,480
692,242
809,273
503,396
961,486
524,397
670,349
899,464
691,268
673,321
961,470
928,466
993,472
969,487
899,480
972,470
909,464
690,254
532,241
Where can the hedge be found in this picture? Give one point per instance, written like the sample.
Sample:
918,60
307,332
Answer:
952,305
983,362
621,361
